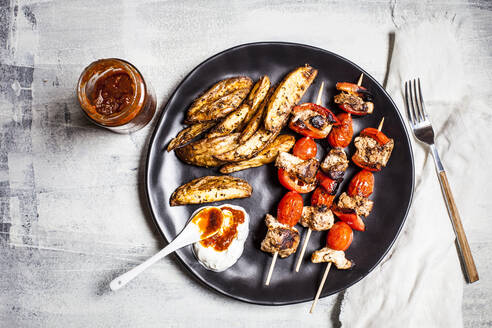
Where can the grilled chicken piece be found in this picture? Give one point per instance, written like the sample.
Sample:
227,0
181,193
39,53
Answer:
250,148
330,255
288,93
302,169
335,163
202,152
210,189
371,153
361,205
224,97
283,142
355,102
280,238
247,109
188,134
317,218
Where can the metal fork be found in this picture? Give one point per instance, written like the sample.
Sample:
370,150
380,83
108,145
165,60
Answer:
423,131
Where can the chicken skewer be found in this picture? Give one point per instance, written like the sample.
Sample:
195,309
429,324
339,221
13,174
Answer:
360,188
308,234
282,238
342,235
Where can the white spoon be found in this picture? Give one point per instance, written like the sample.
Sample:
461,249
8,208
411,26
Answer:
192,233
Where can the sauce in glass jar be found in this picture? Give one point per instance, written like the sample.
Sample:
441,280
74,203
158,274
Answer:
113,94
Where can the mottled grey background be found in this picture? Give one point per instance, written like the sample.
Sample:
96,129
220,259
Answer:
72,212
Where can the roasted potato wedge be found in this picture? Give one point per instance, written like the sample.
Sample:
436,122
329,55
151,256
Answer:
283,142
287,95
202,152
203,160
250,148
255,122
188,134
263,90
224,97
210,189
248,107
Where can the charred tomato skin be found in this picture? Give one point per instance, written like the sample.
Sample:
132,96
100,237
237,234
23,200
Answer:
289,209
341,135
305,148
321,197
362,184
340,236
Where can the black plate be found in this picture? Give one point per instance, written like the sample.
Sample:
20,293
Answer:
244,280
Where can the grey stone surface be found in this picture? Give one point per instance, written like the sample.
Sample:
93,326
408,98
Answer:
72,209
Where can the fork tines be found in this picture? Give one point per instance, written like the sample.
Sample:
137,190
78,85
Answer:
415,106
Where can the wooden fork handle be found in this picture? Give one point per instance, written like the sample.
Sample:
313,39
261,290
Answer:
470,269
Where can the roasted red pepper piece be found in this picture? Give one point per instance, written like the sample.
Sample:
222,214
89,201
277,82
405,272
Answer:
365,166
350,110
349,216
377,135
362,184
341,135
327,183
307,127
321,197
351,88
292,183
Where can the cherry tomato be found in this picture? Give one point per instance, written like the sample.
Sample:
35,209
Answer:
362,184
340,236
373,168
321,197
305,148
377,135
289,209
341,135
316,127
292,183
350,217
327,183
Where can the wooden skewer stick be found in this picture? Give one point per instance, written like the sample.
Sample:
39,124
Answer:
320,93
320,288
308,235
380,127
303,249
272,265
359,82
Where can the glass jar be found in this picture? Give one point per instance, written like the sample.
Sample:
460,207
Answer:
113,94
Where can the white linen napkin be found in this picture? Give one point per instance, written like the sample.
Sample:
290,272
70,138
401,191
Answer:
420,282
